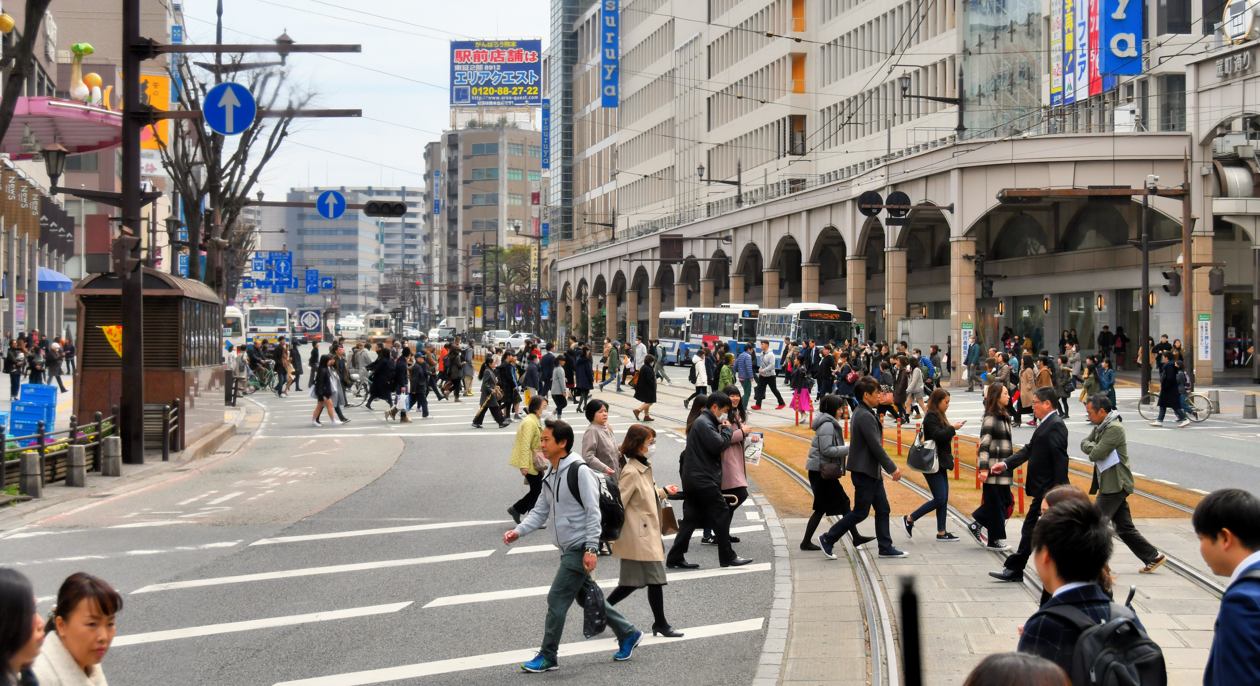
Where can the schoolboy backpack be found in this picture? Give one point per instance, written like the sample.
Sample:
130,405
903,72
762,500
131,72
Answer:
1117,652
612,515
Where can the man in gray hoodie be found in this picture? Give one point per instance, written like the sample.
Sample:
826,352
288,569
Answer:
576,527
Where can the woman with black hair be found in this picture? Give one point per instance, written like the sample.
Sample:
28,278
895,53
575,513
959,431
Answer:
599,448
830,500
645,390
79,633
583,378
21,631
525,457
734,472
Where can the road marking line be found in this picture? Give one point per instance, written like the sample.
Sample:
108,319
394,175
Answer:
190,501
223,499
486,433
512,593
526,549
312,571
752,515
377,532
254,624
463,664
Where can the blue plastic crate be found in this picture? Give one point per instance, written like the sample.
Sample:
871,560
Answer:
38,393
35,412
19,427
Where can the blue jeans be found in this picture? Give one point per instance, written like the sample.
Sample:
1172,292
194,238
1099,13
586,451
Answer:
421,399
609,379
938,482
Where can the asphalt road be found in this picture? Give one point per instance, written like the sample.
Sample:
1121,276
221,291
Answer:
369,553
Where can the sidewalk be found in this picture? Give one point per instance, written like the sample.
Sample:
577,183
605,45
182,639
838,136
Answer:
65,405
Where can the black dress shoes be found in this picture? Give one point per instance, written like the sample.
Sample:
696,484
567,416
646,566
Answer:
1008,575
736,562
682,564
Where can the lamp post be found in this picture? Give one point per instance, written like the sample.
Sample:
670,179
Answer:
960,129
738,183
538,281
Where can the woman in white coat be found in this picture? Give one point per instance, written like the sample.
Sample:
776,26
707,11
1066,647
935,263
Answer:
79,633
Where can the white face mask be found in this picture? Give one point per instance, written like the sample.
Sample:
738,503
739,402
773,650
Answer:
651,450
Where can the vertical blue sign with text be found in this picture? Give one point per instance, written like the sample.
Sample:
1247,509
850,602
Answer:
1120,38
610,52
545,142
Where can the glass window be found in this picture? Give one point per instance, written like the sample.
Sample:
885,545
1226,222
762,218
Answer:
516,149
88,162
516,199
535,151
1172,102
671,329
516,174
485,174
483,199
485,148
535,175
1174,16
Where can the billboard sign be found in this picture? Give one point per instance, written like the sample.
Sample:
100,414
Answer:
1095,77
505,73
1081,43
1069,52
1056,50
545,142
1120,50
610,52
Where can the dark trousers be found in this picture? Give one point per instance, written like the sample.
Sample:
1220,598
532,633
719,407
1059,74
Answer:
938,483
700,390
704,507
1063,406
421,399
1019,560
15,384
741,494
746,384
564,589
560,402
1115,506
768,381
868,492
991,514
526,503
824,386
495,411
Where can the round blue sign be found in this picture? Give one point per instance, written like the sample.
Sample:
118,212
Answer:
331,204
229,109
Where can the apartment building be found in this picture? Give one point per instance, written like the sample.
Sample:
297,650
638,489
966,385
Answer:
480,181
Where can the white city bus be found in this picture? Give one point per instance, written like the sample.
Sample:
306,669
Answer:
233,328
266,323
821,322
685,329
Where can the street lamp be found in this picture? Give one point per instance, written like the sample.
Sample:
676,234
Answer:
55,162
738,183
538,289
960,129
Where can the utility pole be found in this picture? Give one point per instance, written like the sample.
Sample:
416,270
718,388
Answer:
131,405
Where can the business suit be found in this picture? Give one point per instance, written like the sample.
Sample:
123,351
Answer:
1235,655
1047,458
1051,636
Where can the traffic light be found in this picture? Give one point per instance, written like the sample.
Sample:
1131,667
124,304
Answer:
1173,287
124,251
986,288
385,208
1216,281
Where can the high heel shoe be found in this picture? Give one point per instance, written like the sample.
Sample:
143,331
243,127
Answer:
666,630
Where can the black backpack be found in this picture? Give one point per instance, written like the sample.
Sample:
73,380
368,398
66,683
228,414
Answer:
691,376
612,516
1117,652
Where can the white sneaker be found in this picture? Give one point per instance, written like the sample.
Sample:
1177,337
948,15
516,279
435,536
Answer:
337,422
1156,423
316,423
1183,423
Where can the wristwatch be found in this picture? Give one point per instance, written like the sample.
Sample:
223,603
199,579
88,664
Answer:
592,550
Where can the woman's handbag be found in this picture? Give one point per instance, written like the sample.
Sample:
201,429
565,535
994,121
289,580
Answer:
669,523
922,457
541,463
831,470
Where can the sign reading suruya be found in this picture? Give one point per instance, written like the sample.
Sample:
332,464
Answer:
610,52
1121,37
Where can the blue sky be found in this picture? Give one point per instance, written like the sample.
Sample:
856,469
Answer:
399,80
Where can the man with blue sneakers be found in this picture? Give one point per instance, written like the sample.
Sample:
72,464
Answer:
577,529
1227,523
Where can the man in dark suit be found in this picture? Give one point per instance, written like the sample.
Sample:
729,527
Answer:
545,368
1227,523
1047,458
1072,544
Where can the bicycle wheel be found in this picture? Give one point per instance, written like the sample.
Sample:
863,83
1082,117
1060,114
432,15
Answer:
1200,407
1148,406
358,394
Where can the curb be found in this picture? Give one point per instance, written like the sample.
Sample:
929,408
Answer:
770,663
209,443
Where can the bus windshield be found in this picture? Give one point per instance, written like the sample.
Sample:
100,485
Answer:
233,327
673,329
274,317
825,331
378,321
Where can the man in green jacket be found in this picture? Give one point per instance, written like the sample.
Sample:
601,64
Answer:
1107,448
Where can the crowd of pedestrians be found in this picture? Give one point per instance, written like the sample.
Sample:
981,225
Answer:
34,358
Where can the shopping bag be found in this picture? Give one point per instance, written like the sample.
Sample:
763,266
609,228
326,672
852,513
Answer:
669,521
753,450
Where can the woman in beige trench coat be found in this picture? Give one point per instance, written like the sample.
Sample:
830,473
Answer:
639,546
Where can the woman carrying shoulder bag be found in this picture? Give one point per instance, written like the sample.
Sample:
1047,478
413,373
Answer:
527,457
938,429
827,448
639,546
995,446
734,472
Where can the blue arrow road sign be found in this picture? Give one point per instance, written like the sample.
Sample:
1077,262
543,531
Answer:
312,289
293,282
326,283
247,282
312,277
331,204
278,286
229,109
260,264
284,267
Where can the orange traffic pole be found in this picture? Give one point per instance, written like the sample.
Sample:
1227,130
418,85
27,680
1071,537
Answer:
1019,485
846,428
957,459
898,440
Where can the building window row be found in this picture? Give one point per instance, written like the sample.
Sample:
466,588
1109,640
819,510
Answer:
485,174
646,191
748,37
753,149
656,94
870,44
483,199
767,84
650,49
485,225
485,149
643,147
875,109
635,12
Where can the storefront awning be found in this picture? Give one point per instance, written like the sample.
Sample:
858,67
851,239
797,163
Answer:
53,281
40,122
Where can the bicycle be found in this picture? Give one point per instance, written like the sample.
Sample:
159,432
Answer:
1197,407
264,377
359,390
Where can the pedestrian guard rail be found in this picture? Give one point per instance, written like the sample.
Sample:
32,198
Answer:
53,447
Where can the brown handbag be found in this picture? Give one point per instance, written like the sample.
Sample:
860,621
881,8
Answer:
669,523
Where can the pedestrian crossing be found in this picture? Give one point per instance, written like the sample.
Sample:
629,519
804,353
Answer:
308,586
